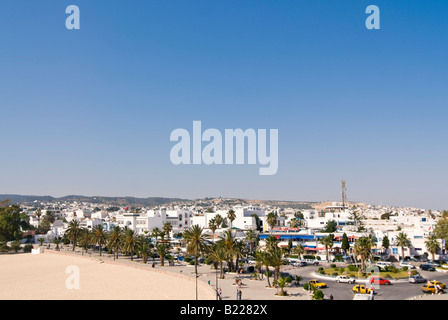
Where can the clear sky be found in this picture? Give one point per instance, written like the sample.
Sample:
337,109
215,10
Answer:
90,111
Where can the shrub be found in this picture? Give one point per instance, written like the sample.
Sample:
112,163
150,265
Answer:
191,263
320,269
306,286
15,246
288,279
341,269
250,269
414,272
28,248
352,268
318,295
335,273
4,248
405,268
332,265
187,259
387,276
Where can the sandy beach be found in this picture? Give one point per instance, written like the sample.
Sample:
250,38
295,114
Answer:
45,276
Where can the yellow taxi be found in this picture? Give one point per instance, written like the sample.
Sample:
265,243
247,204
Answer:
316,283
429,288
435,282
360,289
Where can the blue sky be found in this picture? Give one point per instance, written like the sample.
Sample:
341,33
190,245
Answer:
90,111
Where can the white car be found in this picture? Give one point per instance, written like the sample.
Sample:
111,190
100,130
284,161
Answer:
362,296
345,279
407,264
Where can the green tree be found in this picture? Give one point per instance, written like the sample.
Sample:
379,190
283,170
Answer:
11,223
281,283
363,248
73,231
99,237
114,240
433,245
218,255
331,227
402,241
328,242
271,220
345,244
231,216
130,243
441,228
252,239
196,241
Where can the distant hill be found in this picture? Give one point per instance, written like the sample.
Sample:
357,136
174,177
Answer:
118,201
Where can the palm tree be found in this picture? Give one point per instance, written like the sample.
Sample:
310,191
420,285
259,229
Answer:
212,225
299,250
271,220
231,216
99,237
162,250
57,241
266,258
130,242
258,255
73,232
276,261
281,282
114,240
252,238
167,228
433,245
271,243
218,255
328,242
218,219
362,248
85,239
228,241
402,241
145,251
156,233
196,243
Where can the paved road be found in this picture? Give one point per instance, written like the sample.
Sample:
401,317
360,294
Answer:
396,291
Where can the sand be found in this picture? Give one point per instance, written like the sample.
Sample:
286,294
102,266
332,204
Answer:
54,276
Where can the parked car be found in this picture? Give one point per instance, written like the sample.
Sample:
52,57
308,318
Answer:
416,279
407,264
345,279
383,264
361,289
427,267
379,280
311,261
251,261
299,263
435,264
316,283
429,288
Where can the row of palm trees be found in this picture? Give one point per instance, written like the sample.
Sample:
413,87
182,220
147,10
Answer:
118,240
364,245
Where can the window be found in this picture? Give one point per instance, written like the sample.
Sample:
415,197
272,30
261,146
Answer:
394,250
